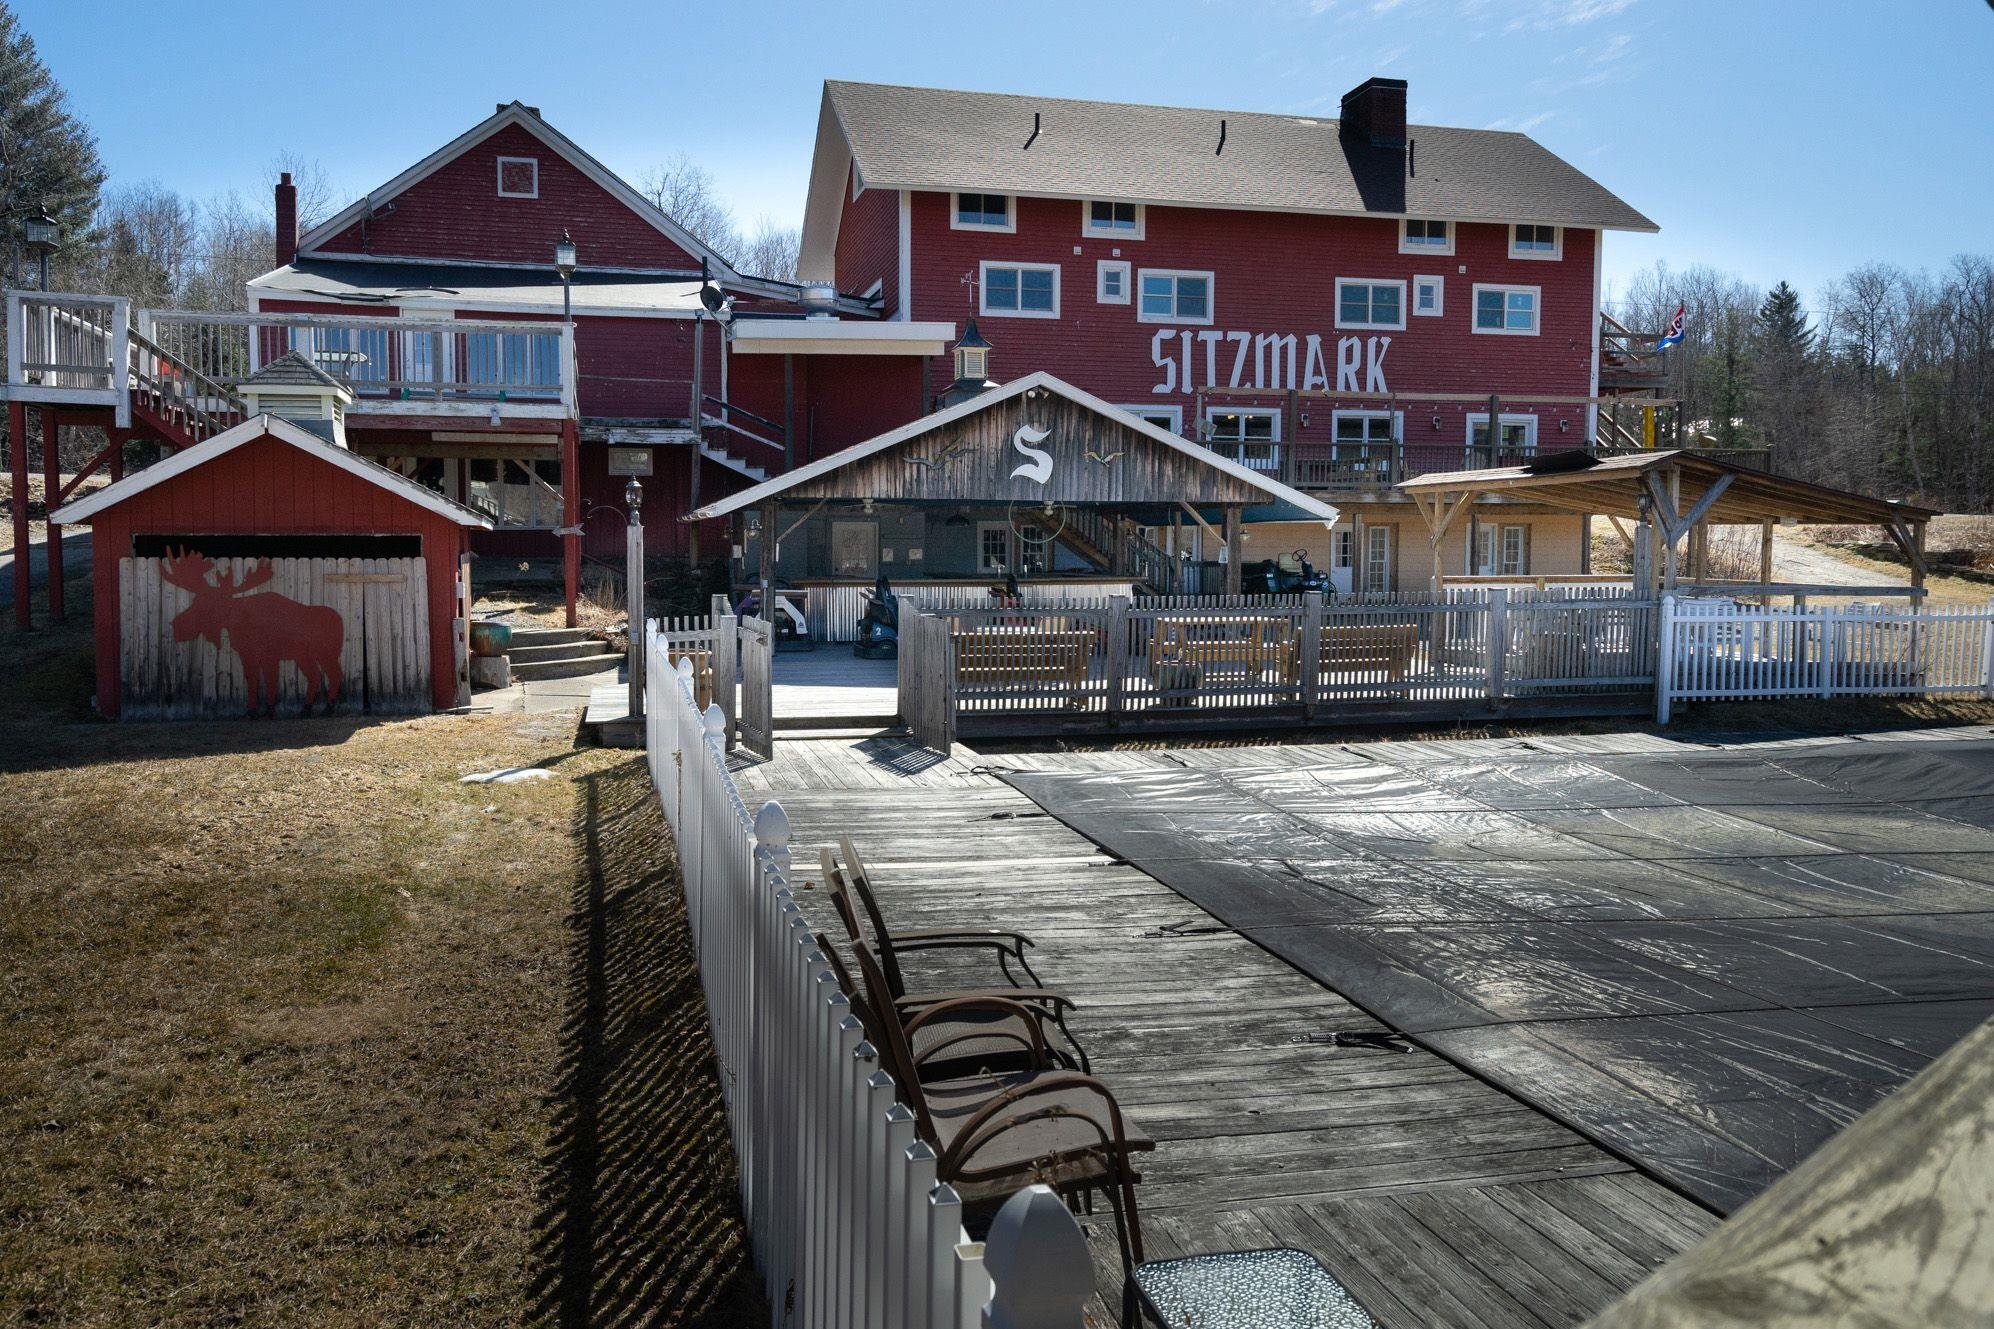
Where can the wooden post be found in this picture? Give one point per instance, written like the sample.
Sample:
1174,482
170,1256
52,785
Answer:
789,416
1310,665
766,558
1765,561
1118,653
1292,437
571,514
633,600
1669,537
51,485
1498,644
1232,548
17,466
698,417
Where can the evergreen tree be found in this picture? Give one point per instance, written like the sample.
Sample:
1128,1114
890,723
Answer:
48,158
1782,326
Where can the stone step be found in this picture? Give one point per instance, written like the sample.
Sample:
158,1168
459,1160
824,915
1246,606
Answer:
549,636
559,650
572,667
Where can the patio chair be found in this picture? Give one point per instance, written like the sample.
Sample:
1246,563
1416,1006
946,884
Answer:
973,1034
851,893
993,1134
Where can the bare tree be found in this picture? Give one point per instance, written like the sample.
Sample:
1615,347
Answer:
772,250
237,243
148,243
684,191
318,199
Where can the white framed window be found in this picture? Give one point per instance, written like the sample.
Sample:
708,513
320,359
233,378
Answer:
1377,558
1506,311
1105,219
1361,445
1343,548
1163,417
518,177
1515,547
1365,302
1249,435
1112,282
1172,296
1018,290
1429,297
1530,241
983,212
1422,235
1519,434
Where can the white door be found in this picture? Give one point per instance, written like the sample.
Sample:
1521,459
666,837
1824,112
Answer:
1342,559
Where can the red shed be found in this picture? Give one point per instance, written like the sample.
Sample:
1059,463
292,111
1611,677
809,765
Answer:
269,566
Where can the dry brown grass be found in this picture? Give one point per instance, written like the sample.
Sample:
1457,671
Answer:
301,1030
37,506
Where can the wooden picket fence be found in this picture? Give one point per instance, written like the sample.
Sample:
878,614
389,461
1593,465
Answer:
1733,652
1191,662
849,1228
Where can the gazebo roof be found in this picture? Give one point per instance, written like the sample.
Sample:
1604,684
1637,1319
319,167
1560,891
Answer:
1615,487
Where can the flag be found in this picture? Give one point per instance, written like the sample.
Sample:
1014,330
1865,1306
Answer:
1673,332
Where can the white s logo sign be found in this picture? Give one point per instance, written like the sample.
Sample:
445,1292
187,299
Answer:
1039,469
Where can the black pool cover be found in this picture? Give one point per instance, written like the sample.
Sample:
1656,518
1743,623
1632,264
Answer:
1706,961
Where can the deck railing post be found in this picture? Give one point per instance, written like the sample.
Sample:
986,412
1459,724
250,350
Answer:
1118,653
1665,663
17,333
1498,628
1036,1257
1309,667
1828,616
1987,653
118,366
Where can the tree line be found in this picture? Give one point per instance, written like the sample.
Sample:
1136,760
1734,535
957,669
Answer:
1884,385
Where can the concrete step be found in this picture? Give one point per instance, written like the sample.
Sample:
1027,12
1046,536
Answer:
549,636
571,667
559,650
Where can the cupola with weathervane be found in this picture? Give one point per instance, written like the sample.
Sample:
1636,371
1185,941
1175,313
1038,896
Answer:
293,388
972,367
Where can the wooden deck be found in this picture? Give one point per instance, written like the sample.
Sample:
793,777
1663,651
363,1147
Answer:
1440,1200
830,685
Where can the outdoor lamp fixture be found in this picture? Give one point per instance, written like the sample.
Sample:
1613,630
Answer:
43,236
564,263
633,498
1436,424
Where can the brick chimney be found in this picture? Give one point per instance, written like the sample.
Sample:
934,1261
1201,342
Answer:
1374,113
287,219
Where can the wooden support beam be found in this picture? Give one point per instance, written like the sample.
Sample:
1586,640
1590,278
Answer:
571,516
1765,561
768,542
1232,548
1703,505
51,487
1202,523
17,469
1620,529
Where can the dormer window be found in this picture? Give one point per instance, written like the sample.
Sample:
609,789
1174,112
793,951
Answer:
1425,236
1104,219
983,212
1526,241
518,177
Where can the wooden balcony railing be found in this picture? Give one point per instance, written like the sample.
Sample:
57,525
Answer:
1626,357
64,346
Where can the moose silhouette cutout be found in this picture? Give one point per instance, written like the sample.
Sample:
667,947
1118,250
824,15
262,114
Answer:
265,630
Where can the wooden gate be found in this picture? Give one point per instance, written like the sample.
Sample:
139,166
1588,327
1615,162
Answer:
758,685
220,637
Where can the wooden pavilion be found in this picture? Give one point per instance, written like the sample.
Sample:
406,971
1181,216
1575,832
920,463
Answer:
1663,504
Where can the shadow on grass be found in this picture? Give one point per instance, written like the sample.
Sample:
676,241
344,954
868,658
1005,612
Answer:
640,1224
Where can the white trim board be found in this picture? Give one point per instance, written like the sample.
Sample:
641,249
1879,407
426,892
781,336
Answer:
768,489
250,431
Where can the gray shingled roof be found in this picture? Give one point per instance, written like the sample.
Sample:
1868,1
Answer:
291,370
931,138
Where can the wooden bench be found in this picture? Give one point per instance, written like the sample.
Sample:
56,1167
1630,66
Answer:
1248,646
997,657
1385,648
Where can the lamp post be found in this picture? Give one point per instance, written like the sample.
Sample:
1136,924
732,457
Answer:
44,236
571,469
633,593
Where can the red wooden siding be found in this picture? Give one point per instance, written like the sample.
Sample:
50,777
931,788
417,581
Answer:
269,487
868,247
457,213
1274,273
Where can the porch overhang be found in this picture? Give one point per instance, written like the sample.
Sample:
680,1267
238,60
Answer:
1036,441
822,336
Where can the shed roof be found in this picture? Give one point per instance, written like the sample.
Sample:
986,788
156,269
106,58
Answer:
249,431
1306,507
1613,486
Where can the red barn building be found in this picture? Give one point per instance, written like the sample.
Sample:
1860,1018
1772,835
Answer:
1340,303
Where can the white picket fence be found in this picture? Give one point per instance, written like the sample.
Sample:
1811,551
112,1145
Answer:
849,1227
1736,652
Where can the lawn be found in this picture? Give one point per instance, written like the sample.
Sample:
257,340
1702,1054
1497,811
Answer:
302,1030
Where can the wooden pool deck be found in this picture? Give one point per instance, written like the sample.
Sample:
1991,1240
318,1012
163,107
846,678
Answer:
1439,1200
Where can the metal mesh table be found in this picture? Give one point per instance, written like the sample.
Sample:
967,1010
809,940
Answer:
1273,1289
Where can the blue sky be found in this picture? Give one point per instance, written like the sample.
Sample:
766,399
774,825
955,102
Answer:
1776,140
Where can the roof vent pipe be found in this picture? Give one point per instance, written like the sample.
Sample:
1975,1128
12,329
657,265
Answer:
819,299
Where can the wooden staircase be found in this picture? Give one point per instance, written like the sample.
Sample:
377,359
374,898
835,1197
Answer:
1094,537
175,401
